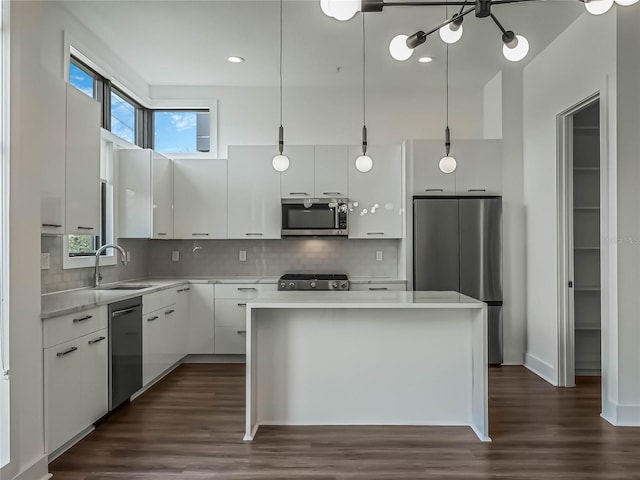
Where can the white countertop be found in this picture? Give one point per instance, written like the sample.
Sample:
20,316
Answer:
302,299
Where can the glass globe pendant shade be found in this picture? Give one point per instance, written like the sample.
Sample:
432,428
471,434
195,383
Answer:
364,163
398,48
325,6
280,163
598,7
447,164
449,35
626,3
519,51
344,10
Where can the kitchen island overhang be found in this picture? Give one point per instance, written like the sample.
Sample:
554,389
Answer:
366,358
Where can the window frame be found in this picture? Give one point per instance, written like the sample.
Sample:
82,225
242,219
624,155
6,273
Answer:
138,133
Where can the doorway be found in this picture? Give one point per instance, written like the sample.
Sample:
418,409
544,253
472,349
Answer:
580,242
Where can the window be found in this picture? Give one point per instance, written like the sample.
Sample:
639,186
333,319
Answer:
81,79
86,245
124,116
181,131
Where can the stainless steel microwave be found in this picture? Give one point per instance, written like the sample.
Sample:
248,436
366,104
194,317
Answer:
314,217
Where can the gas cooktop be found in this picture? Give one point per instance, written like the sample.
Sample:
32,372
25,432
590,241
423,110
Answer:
311,281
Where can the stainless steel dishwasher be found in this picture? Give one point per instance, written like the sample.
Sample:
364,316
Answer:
125,350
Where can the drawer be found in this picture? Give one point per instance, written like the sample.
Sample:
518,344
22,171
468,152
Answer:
170,296
230,340
238,290
230,313
152,302
67,327
377,287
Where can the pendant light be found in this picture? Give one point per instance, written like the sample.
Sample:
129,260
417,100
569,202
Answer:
364,163
447,163
280,162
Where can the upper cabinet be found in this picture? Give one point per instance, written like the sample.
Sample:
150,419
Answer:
161,197
200,198
254,193
376,197
82,164
479,169
331,171
319,171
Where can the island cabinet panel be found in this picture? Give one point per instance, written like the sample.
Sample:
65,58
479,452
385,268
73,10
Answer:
331,171
377,207
200,329
378,287
200,199
254,193
298,179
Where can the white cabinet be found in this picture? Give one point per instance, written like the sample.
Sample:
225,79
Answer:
254,193
145,199
82,171
179,334
75,376
376,197
153,329
200,329
378,287
428,179
331,171
48,110
298,179
200,198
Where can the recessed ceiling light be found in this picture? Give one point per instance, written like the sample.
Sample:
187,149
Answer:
235,59
425,60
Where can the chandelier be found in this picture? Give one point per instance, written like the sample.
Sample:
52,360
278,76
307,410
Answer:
515,47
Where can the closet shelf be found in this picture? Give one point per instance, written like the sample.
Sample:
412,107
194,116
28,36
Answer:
588,328
586,208
586,248
586,169
587,289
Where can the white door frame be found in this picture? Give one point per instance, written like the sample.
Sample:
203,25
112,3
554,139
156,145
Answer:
566,320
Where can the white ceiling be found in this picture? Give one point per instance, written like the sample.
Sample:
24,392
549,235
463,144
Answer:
187,42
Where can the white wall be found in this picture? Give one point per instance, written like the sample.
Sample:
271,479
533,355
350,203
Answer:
493,106
580,62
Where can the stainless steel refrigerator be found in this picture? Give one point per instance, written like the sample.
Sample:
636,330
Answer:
457,246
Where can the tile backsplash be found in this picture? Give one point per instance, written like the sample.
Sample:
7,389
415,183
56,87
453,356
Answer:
56,278
356,258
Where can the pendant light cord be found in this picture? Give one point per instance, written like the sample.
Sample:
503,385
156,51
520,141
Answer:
281,28
364,66
447,82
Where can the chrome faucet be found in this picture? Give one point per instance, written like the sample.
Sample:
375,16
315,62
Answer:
96,274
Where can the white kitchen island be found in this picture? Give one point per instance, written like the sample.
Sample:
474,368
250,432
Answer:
366,358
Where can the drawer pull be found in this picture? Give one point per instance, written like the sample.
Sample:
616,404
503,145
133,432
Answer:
82,319
298,193
84,228
97,340
375,233
161,233
434,189
186,289
255,234
199,234
332,193
169,312
241,332
151,319
180,290
377,288
242,304
66,352
51,225
477,190
244,289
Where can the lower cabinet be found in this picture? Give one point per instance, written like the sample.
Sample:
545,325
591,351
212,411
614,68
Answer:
200,327
378,287
76,386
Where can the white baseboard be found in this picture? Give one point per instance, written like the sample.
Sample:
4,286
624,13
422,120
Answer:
541,368
38,470
621,415
67,445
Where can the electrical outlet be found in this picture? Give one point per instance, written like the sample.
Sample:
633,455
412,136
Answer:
45,261
175,256
242,255
379,255
128,256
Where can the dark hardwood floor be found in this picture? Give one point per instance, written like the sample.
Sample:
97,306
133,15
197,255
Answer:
190,426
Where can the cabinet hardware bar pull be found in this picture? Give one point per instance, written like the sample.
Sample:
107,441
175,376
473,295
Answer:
200,234
52,225
298,193
169,312
332,193
477,190
257,234
99,339
84,228
123,312
241,289
180,290
240,332
186,289
242,304
66,352
160,233
82,319
375,233
434,190
151,319
378,288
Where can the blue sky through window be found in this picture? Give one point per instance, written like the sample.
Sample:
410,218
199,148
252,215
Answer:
81,80
123,118
175,132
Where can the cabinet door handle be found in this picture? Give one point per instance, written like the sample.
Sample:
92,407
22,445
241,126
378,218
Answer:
298,193
332,193
243,289
51,225
97,340
84,228
241,332
377,288
151,319
256,234
82,319
434,189
180,290
66,352
161,233
186,289
169,312
242,304
477,190
200,234
375,233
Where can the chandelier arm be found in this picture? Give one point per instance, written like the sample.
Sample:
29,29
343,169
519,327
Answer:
497,22
450,20
459,3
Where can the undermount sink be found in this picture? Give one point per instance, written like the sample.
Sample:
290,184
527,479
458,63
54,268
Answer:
126,287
